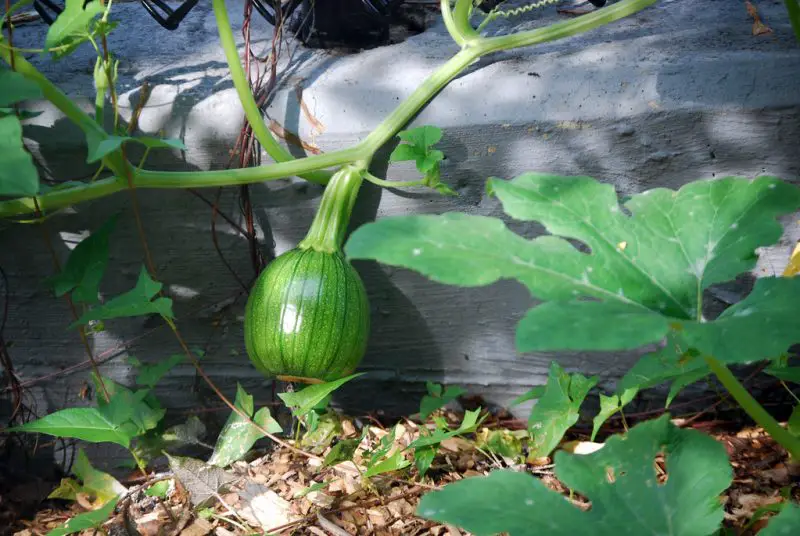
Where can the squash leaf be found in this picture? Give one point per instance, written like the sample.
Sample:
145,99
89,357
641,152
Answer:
621,481
786,522
238,435
636,279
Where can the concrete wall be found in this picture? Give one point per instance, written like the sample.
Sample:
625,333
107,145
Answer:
679,92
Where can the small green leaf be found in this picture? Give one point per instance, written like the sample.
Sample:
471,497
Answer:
150,375
71,27
97,483
316,486
785,523
468,424
101,147
85,521
535,393
68,490
89,424
423,458
424,136
620,480
557,410
136,302
404,152
159,143
438,399
85,266
609,405
342,451
238,435
159,489
16,88
303,401
395,462
18,175
501,442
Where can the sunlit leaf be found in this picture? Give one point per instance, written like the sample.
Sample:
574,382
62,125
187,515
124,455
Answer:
303,401
468,424
71,27
89,424
238,435
620,480
557,410
85,521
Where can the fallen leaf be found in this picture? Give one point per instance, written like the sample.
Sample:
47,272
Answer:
201,480
265,508
759,28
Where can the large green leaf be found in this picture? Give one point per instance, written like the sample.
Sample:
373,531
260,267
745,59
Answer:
85,521
16,88
238,435
72,26
557,410
620,480
18,175
637,277
85,266
785,523
136,302
89,424
303,401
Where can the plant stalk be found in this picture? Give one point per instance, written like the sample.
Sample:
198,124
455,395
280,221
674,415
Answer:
753,408
327,231
362,151
793,8
251,110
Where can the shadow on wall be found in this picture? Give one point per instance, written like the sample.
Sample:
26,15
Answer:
421,330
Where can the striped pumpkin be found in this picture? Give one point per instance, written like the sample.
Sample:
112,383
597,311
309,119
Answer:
307,317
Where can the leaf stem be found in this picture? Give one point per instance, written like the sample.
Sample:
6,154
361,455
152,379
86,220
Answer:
363,151
251,110
753,408
793,7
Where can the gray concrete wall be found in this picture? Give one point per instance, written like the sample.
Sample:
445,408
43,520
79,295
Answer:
679,92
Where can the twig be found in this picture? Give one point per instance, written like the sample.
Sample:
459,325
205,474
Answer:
330,526
73,310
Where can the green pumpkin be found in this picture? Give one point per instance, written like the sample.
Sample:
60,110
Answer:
307,317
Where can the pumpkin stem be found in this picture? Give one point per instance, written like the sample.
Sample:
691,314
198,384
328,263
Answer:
330,223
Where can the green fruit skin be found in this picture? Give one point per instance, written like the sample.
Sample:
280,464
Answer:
307,316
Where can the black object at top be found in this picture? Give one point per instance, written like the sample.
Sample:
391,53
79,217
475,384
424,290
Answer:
171,18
